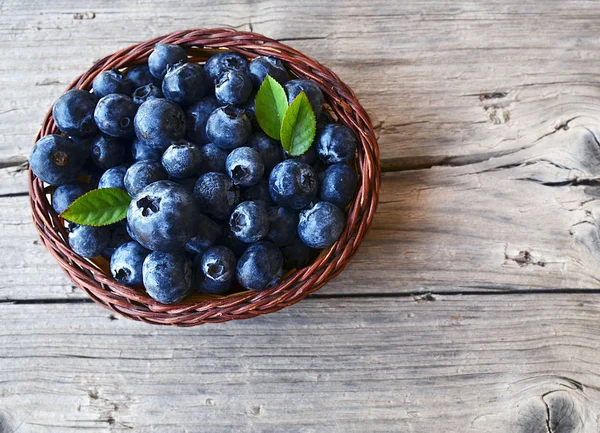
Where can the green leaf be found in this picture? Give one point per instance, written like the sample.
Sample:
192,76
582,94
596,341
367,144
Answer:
270,106
99,207
299,126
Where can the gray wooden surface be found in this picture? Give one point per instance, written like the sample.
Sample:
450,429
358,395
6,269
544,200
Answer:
473,304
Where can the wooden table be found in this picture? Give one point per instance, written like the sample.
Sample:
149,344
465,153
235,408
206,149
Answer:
472,306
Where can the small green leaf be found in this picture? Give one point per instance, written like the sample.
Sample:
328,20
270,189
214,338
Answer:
99,207
299,126
270,106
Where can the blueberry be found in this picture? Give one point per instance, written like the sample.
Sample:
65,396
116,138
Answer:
269,149
230,241
196,117
159,122
228,127
296,254
111,82
64,195
168,277
114,115
309,157
126,263
88,241
216,194
323,119
207,233
214,159
283,225
107,152
164,56
339,185
118,237
113,177
262,66
215,270
162,216
336,143
56,159
141,174
260,191
233,88
259,265
144,93
310,88
249,108
245,166
321,225
182,159
220,63
141,76
249,221
141,150
185,83
73,113
293,184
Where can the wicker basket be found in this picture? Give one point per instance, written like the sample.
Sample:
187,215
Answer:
92,276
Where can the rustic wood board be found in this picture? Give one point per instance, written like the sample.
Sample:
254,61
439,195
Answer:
498,363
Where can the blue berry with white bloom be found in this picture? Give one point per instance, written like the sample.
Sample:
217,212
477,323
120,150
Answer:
233,88
111,82
262,66
293,184
144,93
249,221
215,270
126,263
159,122
294,87
163,57
88,241
141,150
339,185
245,166
196,118
259,265
64,195
114,177
107,152
182,159
56,159
336,143
214,159
228,127
141,174
73,113
114,115
321,225
168,277
220,63
185,84
216,194
269,149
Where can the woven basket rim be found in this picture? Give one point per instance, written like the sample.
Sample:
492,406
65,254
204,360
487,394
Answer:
92,277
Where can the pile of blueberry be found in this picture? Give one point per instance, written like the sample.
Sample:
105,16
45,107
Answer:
217,205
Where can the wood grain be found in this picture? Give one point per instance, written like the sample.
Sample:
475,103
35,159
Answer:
508,363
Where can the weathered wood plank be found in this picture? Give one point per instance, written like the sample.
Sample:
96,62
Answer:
443,81
457,364
527,220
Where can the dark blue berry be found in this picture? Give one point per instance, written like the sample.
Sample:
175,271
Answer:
260,67
88,241
207,233
186,182
141,174
182,159
140,76
141,150
215,270
196,117
309,157
64,195
107,152
310,88
321,225
259,265
109,82
126,263
162,216
159,122
233,88
230,241
164,56
114,115
249,108
260,191
228,127
214,159
220,63
113,177
269,149
73,113
185,84
323,119
296,254
336,143
249,221
118,237
293,184
56,159
168,277
144,93
339,185
245,166
216,194
283,225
